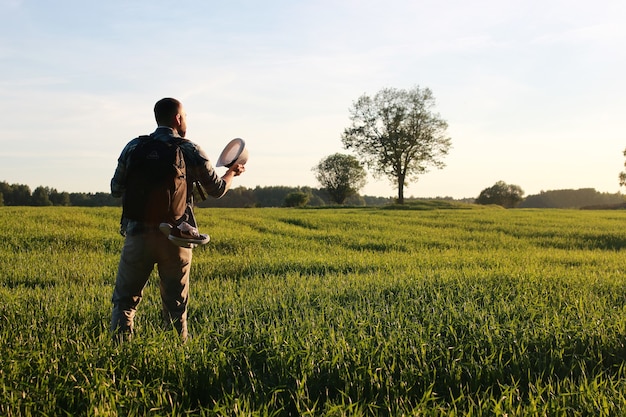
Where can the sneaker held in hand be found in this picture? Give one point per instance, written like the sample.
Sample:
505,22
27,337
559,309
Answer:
184,235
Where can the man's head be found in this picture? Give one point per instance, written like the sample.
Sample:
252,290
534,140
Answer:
170,112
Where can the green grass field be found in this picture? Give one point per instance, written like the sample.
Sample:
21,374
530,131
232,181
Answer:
434,310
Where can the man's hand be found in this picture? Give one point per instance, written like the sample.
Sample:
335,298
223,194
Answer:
237,169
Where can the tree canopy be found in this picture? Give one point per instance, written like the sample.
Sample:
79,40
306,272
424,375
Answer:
397,135
502,194
296,199
341,176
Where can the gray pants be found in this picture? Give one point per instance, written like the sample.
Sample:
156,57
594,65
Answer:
139,255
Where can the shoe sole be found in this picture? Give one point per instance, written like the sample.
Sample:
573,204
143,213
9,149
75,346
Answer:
165,228
183,240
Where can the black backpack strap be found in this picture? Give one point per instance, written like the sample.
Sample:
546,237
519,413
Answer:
199,188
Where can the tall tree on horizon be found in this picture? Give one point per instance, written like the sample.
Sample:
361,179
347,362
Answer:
397,134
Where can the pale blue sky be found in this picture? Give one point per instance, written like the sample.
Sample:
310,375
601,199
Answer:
534,92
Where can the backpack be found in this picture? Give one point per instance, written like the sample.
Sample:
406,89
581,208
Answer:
156,187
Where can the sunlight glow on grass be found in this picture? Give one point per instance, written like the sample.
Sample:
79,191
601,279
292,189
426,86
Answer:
324,312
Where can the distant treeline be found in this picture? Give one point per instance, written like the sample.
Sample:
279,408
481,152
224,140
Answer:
581,198
21,195
278,196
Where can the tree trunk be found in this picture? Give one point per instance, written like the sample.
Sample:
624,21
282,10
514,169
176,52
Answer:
401,189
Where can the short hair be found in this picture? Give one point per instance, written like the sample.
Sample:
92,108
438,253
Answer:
165,110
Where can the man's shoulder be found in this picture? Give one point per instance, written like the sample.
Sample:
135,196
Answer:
186,144
193,153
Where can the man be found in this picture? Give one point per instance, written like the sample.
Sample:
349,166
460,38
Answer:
145,245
